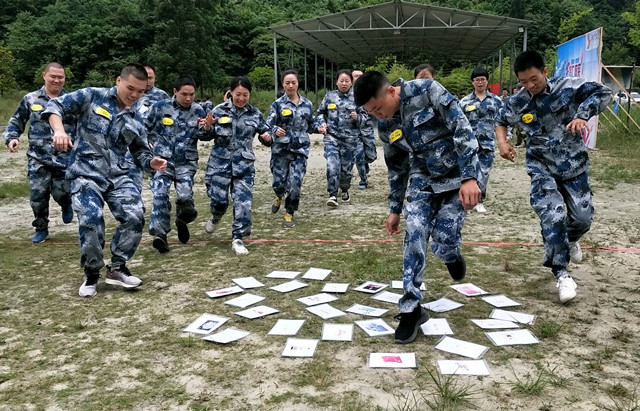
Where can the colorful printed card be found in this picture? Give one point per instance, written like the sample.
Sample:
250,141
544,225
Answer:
298,347
316,274
337,332
375,328
468,289
223,292
370,287
366,310
205,324
392,360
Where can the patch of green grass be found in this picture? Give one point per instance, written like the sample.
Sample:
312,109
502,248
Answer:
529,385
448,393
14,189
622,399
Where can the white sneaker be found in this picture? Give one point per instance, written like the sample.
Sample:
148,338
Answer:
332,201
238,246
566,289
90,289
575,252
480,208
210,227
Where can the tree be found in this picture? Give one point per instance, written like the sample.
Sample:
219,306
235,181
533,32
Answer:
262,78
633,18
7,81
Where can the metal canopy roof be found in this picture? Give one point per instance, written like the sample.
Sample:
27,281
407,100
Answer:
400,27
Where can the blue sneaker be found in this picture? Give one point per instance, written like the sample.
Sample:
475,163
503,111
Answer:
67,214
40,236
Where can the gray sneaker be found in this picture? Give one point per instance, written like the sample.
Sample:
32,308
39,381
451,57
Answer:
122,276
89,287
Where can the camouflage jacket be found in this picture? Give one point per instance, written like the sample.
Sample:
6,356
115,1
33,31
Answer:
296,120
335,110
482,116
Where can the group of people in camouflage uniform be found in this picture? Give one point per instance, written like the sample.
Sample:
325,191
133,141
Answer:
439,152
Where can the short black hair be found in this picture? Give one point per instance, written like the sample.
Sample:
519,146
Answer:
184,81
289,71
240,81
421,67
53,64
528,59
368,86
479,72
344,71
136,70
151,66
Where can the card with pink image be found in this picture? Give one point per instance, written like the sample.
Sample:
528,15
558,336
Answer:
392,360
468,289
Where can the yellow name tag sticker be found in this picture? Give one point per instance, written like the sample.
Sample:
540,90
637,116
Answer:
396,135
332,106
36,107
286,112
167,121
224,120
471,107
527,118
102,112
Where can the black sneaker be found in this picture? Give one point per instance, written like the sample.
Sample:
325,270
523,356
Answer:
457,269
183,232
407,330
160,243
345,196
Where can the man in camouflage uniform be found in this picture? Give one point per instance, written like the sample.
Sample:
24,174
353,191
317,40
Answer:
481,108
108,126
174,131
46,165
231,161
425,121
554,114
366,152
150,96
339,120
290,120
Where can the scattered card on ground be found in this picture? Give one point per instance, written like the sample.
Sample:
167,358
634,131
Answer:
459,347
436,326
375,328
224,292
317,299
337,332
289,286
463,367
500,301
257,312
388,297
492,323
442,305
370,287
247,282
325,311
283,274
468,289
366,310
286,327
298,347
521,318
245,300
392,360
398,285
335,288
515,337
227,336
205,324
316,274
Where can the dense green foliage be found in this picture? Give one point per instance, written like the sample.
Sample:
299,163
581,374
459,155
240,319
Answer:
214,40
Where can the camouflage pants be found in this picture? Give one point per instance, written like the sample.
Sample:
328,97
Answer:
365,154
288,171
241,187
428,215
45,181
124,201
485,160
565,209
135,171
340,156
160,221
